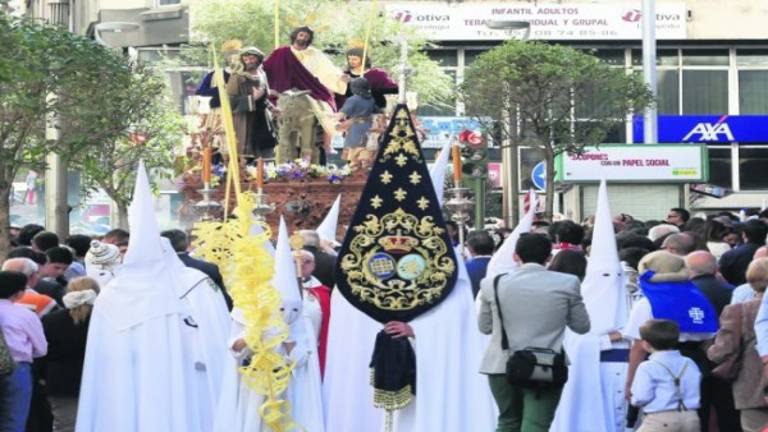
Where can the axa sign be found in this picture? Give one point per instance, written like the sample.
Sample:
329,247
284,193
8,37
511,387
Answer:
707,129
708,132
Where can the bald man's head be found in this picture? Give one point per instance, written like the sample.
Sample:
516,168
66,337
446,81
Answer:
701,263
761,252
679,244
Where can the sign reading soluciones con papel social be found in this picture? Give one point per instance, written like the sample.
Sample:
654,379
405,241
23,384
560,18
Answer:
635,163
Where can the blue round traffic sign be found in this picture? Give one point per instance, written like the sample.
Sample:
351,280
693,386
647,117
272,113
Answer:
539,176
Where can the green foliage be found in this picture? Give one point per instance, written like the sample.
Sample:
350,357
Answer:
47,71
337,24
548,85
145,106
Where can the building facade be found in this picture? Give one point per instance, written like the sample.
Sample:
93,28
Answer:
712,60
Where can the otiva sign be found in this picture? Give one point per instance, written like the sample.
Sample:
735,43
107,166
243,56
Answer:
707,129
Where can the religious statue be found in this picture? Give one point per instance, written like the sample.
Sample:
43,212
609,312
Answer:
301,66
251,108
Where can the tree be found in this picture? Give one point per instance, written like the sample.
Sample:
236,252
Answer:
337,23
47,72
151,130
562,98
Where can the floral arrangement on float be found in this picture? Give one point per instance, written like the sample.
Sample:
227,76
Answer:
300,170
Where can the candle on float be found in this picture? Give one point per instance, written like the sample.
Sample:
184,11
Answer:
260,173
456,156
206,166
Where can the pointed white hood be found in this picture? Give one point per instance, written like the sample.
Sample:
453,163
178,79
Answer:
437,173
604,288
285,279
144,287
502,260
327,228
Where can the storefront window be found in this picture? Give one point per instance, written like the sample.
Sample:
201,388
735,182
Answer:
664,57
471,54
753,164
753,91
448,109
720,166
705,92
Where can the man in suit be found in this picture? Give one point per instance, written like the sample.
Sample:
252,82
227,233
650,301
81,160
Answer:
715,392
480,247
180,243
734,263
531,294
325,263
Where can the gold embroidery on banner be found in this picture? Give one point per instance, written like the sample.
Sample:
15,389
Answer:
413,235
401,138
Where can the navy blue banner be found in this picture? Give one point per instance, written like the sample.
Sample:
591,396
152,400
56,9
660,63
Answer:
707,129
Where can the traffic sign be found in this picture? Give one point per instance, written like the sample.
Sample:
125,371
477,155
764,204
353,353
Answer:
539,176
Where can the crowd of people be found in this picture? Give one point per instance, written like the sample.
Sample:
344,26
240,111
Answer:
681,377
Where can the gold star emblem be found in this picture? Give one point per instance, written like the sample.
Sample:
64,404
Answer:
423,203
415,178
401,160
400,194
385,177
376,201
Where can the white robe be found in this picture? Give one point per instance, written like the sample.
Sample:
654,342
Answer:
138,379
209,339
238,409
451,395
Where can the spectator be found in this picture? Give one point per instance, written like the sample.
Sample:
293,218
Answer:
40,304
67,331
571,262
325,263
27,232
531,294
480,248
658,231
40,285
677,217
44,240
118,237
101,261
630,259
666,385
745,292
715,231
734,263
58,261
668,294
24,336
679,244
702,267
629,240
734,349
180,243
566,235
79,243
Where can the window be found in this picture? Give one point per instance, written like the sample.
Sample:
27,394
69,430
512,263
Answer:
664,57
668,82
705,92
752,57
753,164
168,2
705,57
753,91
471,54
720,166
444,57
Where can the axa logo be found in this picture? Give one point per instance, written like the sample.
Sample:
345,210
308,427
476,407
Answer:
710,132
632,15
403,16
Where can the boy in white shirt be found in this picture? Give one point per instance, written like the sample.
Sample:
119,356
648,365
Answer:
666,386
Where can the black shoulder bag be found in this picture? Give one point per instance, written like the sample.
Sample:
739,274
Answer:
531,367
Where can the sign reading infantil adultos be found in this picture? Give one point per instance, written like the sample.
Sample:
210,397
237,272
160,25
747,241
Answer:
619,20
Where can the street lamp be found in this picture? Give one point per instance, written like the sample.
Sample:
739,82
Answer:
509,158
